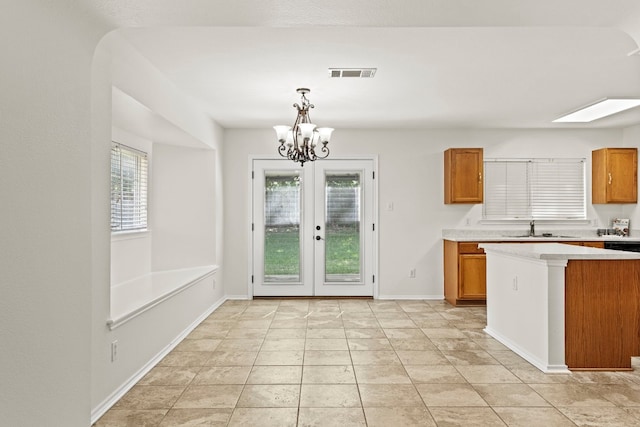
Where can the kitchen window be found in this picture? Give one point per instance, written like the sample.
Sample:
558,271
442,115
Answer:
128,189
551,189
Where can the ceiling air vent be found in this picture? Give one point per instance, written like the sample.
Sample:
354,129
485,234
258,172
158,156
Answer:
352,72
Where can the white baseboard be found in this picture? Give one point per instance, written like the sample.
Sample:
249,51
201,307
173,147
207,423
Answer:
237,297
384,297
526,355
103,407
412,297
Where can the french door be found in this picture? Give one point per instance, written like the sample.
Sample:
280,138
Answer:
313,228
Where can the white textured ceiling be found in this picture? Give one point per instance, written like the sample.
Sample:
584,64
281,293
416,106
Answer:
454,63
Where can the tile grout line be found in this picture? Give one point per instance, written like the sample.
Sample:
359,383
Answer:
353,368
304,355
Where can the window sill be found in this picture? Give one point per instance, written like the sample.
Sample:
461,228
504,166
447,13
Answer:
132,298
126,235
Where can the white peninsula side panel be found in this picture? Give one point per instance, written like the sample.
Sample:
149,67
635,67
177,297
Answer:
525,307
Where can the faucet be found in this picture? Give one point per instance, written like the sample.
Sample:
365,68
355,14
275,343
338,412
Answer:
532,228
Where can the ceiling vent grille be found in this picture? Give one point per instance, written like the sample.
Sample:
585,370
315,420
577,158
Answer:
365,73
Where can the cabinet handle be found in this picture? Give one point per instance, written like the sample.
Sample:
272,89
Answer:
609,178
480,176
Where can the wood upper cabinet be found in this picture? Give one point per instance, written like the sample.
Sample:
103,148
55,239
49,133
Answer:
463,175
614,175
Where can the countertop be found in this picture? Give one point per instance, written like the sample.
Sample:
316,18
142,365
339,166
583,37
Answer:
557,251
470,235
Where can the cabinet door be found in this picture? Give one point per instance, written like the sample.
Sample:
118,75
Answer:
622,171
463,175
614,175
473,276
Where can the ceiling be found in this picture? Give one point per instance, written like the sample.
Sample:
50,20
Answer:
440,64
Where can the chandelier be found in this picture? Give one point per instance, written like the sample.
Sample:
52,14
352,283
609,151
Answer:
299,143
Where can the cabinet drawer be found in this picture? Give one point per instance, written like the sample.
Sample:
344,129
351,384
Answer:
469,248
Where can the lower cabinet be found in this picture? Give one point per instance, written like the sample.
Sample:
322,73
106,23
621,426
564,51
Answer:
465,273
473,273
465,270
599,245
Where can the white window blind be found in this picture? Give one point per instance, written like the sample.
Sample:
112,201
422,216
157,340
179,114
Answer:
534,189
128,188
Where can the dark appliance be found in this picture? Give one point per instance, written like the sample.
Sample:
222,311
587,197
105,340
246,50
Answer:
621,245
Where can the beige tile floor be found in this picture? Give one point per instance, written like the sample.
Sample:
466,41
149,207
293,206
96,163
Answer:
349,362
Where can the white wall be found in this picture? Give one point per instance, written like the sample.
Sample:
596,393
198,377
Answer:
182,207
45,231
411,176
116,64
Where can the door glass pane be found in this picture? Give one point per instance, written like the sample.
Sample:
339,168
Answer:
282,213
342,232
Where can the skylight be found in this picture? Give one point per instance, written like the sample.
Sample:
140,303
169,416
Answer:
600,109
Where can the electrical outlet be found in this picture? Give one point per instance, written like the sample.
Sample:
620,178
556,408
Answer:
412,273
114,351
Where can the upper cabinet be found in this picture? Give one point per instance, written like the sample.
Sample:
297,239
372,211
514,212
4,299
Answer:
614,176
463,175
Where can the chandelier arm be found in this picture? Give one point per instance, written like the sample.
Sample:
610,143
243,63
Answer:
312,154
308,115
295,131
325,150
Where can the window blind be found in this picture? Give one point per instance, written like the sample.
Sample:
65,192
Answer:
283,195
128,188
534,189
342,199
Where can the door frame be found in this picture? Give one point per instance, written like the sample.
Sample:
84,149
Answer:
375,233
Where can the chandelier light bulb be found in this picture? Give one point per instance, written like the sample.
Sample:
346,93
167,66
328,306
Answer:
306,130
325,134
281,132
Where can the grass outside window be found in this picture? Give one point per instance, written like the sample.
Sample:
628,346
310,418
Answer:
282,250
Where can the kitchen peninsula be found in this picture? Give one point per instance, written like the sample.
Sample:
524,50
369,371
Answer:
564,307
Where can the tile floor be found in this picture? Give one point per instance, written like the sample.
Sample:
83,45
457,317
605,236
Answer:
350,362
